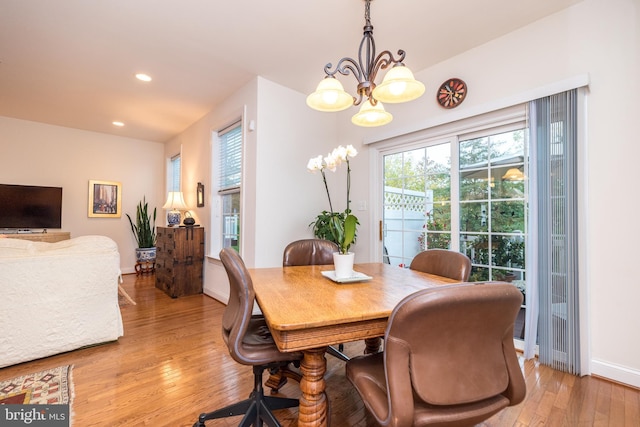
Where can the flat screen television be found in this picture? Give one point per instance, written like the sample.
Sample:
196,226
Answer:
26,207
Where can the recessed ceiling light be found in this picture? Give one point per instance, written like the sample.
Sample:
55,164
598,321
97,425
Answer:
119,124
143,77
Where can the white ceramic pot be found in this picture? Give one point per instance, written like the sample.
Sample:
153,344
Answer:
343,264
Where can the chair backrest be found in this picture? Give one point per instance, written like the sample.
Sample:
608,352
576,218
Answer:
443,262
248,339
453,345
309,252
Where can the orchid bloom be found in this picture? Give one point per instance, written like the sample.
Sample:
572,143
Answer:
340,154
315,164
351,151
331,162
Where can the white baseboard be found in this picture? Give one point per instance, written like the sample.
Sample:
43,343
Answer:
616,373
216,295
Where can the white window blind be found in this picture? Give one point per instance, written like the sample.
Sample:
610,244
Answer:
229,184
230,158
174,173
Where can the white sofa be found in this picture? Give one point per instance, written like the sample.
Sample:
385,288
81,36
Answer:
57,297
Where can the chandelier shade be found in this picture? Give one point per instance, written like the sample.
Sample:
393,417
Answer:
330,96
398,85
371,115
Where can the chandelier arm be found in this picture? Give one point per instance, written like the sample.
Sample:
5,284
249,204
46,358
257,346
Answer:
384,60
345,67
366,53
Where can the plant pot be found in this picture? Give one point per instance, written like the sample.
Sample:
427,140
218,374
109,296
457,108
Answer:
145,254
343,264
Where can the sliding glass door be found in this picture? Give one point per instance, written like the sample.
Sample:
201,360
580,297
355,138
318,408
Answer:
416,202
467,193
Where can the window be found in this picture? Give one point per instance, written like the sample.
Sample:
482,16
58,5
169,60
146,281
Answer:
492,205
478,209
174,174
463,190
417,202
229,184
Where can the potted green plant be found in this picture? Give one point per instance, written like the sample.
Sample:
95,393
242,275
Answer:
338,227
144,231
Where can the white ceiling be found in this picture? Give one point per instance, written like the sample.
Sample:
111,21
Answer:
72,62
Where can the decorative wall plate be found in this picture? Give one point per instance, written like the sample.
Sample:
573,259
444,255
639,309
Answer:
451,93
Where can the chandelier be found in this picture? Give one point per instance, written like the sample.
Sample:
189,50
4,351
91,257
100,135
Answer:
398,84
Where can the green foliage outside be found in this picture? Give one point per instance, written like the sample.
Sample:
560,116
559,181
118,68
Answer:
492,209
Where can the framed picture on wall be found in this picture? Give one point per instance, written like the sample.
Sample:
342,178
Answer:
105,199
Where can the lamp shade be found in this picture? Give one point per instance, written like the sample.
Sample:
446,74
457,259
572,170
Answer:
398,85
371,115
330,96
175,201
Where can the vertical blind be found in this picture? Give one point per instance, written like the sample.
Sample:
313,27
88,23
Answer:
553,124
230,159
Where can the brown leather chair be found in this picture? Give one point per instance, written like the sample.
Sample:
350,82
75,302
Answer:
449,358
309,252
443,262
313,252
250,343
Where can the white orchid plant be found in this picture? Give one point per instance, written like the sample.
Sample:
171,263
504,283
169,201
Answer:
339,227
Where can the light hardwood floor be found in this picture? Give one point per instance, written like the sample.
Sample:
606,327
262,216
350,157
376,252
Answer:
171,365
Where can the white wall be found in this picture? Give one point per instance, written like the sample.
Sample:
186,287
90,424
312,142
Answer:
288,196
599,38
39,154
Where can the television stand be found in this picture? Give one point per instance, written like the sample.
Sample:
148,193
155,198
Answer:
49,236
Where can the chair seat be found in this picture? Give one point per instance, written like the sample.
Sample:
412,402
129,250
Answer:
259,347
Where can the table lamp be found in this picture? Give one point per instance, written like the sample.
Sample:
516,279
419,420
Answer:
175,203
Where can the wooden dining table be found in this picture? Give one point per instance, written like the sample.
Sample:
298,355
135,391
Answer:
308,312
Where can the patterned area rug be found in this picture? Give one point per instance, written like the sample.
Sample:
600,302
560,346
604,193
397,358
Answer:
50,387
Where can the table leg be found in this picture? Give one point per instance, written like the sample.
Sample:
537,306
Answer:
372,345
313,401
